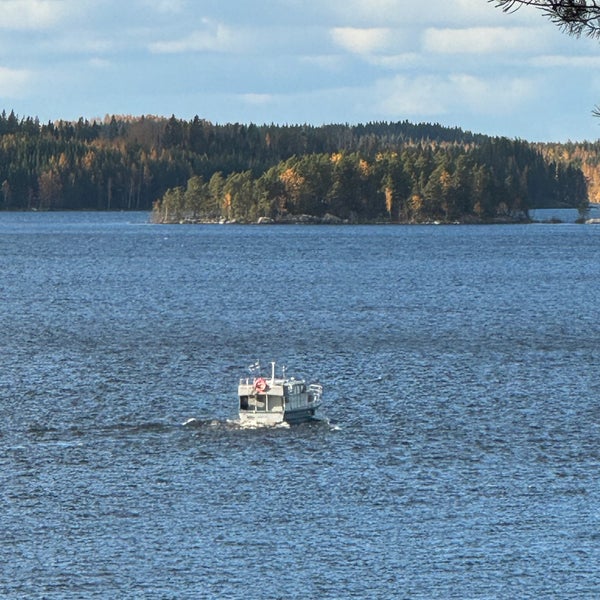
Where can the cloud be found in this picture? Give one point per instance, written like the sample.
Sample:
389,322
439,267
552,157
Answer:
326,62
370,12
394,13
367,12
566,62
459,61
431,96
480,40
257,99
215,37
404,96
31,14
492,96
405,60
165,6
361,41
13,82
99,63
80,43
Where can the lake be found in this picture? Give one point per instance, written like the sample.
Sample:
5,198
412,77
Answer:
457,454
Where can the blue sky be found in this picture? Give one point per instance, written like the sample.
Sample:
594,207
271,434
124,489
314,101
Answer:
460,63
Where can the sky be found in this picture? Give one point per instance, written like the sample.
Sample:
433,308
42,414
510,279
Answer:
460,63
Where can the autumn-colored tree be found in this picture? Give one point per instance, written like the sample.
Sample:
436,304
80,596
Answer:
396,186
125,162
294,189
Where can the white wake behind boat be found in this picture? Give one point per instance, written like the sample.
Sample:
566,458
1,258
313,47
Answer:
274,400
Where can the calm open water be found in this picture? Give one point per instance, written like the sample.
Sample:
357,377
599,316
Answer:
458,451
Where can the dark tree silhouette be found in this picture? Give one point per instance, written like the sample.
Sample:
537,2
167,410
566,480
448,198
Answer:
575,17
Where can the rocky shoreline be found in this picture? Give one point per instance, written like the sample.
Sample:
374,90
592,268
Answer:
329,219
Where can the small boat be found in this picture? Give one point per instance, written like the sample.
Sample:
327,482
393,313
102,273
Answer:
274,400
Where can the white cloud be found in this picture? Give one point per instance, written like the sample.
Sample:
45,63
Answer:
373,10
428,95
391,13
215,37
326,62
398,61
31,14
355,60
99,63
361,41
165,6
257,99
566,62
78,43
480,40
402,96
13,82
494,95
377,12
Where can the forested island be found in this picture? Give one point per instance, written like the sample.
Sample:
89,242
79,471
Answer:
197,171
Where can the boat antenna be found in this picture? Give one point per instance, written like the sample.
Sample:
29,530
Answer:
272,372
255,368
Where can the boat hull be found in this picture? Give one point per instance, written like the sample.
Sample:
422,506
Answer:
270,419
299,416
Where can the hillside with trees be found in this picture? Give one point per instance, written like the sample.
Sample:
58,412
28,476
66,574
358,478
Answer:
497,181
199,171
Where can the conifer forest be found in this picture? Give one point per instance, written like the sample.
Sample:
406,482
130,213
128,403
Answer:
197,171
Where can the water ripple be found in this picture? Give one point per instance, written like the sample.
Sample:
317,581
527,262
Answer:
456,455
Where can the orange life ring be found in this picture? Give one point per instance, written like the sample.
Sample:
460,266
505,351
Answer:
260,385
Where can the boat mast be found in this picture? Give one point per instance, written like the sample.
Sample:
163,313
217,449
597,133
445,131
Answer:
273,373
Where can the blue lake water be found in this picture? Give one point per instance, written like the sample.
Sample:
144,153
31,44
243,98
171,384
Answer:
458,451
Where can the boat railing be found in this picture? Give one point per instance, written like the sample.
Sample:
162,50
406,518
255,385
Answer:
316,389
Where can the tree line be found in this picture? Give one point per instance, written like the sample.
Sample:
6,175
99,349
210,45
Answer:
200,170
498,179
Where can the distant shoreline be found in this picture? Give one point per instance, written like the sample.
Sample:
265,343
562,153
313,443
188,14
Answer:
310,220
333,220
